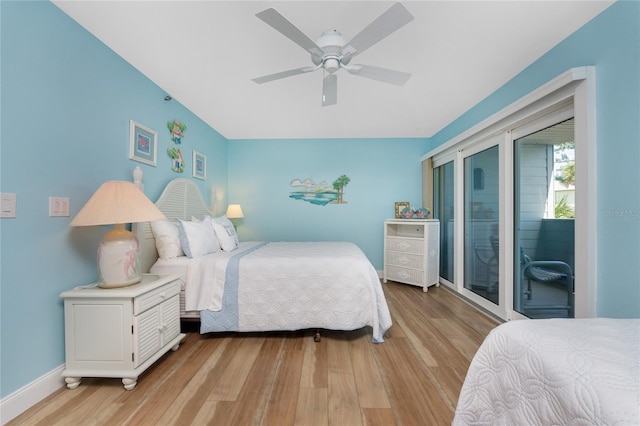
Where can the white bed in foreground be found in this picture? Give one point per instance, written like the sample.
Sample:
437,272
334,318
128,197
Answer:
555,371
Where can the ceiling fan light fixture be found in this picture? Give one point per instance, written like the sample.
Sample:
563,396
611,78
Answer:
331,65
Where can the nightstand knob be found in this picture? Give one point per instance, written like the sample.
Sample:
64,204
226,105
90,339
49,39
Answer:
163,295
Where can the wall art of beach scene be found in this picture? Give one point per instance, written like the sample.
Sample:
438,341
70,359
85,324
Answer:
321,193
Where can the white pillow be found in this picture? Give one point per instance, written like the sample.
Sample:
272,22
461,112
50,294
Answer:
226,233
197,238
167,235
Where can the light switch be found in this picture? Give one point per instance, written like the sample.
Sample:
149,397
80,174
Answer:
7,205
58,206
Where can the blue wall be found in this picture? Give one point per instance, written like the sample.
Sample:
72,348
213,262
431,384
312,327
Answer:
381,172
66,104
611,42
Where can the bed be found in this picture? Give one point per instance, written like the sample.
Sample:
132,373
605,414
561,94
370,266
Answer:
264,286
555,371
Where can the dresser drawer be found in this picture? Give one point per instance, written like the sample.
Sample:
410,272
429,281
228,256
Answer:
155,297
409,245
405,260
403,275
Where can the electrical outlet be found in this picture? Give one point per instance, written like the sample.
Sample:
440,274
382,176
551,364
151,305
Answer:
58,206
7,205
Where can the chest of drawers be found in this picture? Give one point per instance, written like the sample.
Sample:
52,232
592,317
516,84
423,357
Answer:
412,251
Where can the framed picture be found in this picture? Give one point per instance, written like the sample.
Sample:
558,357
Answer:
143,144
199,165
401,205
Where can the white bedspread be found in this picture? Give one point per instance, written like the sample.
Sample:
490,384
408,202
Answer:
286,286
555,371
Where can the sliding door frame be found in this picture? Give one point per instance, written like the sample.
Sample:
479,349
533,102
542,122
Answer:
576,88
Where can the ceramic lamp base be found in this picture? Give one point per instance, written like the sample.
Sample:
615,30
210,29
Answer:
118,259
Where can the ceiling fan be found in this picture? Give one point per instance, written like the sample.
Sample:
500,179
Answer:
332,52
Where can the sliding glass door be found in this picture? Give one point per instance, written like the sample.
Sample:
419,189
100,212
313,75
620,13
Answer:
516,199
544,216
443,209
481,224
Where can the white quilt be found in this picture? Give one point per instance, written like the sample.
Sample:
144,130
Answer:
286,286
553,372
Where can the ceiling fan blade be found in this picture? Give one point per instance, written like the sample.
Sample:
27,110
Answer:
385,75
273,18
390,21
330,90
282,74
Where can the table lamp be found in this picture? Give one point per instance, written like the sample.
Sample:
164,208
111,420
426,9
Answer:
234,212
117,203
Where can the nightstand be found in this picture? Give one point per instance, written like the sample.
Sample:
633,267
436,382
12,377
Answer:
120,332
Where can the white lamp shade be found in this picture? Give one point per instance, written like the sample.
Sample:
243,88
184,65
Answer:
118,202
234,211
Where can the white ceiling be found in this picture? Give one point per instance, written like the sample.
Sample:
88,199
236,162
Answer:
205,53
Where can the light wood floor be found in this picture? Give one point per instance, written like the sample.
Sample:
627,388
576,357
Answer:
413,378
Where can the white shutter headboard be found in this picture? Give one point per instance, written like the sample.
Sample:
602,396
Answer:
180,199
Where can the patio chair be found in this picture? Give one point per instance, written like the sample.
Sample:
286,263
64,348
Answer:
545,272
548,272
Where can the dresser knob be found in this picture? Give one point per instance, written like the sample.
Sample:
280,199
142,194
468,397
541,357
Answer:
163,295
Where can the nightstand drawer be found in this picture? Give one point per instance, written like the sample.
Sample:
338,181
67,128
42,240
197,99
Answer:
405,260
155,297
408,245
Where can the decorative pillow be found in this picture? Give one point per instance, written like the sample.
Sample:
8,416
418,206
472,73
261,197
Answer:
226,233
167,235
197,238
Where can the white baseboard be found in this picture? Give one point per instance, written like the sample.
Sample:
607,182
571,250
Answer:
29,395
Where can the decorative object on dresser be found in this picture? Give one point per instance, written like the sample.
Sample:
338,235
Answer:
234,212
412,251
120,332
400,206
118,202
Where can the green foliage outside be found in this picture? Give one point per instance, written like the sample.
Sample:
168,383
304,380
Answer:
563,210
568,177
